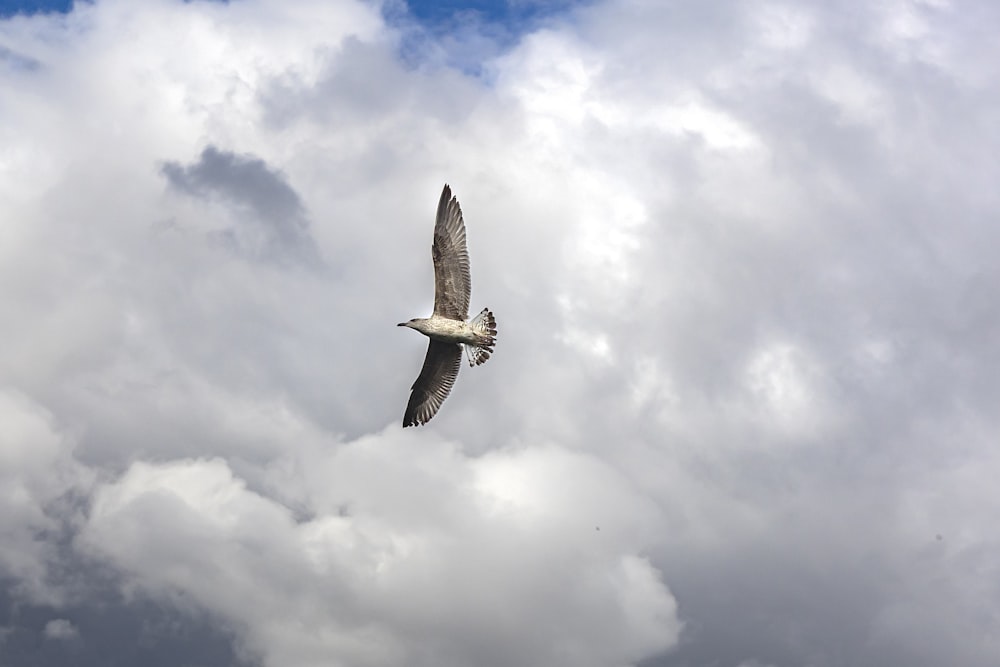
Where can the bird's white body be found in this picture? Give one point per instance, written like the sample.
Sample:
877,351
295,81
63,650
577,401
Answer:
447,330
477,336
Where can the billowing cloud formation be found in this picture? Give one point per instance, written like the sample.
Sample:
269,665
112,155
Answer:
416,555
742,410
39,477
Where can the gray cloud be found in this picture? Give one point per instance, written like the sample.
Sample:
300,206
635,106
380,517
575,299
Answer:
742,410
109,630
270,219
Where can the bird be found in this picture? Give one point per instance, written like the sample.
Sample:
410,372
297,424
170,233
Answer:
448,328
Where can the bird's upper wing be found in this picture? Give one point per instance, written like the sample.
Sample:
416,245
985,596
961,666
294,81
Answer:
434,382
452,283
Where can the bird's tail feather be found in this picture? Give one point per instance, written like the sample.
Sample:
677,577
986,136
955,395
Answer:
486,326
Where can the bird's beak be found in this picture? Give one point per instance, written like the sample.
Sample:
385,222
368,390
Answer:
402,324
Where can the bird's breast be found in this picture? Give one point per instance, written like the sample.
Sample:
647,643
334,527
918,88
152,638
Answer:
449,331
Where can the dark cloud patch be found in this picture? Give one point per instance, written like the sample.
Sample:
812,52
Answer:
108,630
90,622
835,613
270,219
244,180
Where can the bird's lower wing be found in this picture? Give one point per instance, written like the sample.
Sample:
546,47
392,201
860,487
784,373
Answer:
434,382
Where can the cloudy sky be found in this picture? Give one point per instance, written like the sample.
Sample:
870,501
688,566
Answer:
742,411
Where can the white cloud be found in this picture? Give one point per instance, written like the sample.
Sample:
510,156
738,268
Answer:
37,473
419,553
741,257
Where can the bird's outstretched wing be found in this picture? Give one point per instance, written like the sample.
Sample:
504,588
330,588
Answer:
434,382
452,283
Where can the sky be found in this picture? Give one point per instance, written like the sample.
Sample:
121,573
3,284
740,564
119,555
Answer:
741,412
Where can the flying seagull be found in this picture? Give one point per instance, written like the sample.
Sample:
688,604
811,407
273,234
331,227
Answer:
448,328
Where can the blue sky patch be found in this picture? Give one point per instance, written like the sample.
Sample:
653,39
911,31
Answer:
513,14
467,34
11,7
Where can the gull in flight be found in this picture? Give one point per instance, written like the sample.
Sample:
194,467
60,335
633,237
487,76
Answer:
448,328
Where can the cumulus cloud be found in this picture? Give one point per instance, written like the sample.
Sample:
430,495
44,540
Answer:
742,410
39,478
418,554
